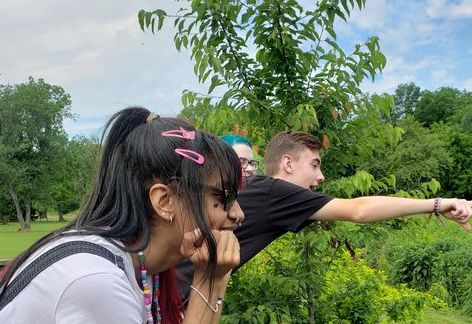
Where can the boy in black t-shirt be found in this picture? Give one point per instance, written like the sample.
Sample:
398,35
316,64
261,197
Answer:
294,157
281,201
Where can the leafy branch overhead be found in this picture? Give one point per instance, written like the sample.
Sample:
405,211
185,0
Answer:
278,63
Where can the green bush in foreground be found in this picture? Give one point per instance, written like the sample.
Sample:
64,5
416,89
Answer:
350,292
360,294
438,260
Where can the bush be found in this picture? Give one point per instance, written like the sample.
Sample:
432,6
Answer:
359,294
403,304
436,260
266,290
274,287
349,292
353,292
466,294
451,270
411,263
438,291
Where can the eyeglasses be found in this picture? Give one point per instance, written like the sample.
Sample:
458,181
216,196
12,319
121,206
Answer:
226,196
245,163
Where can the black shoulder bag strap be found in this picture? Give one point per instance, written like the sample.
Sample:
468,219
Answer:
47,259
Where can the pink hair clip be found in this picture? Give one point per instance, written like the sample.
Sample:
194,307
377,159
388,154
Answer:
191,155
181,133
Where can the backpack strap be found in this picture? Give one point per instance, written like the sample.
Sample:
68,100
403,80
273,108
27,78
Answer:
50,257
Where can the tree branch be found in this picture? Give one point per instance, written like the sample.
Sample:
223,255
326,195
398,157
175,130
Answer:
278,24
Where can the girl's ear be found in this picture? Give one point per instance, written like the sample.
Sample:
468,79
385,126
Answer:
162,200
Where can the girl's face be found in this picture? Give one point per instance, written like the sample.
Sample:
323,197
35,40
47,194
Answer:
222,209
172,236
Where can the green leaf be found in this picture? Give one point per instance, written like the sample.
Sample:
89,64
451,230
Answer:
331,32
141,18
215,81
345,6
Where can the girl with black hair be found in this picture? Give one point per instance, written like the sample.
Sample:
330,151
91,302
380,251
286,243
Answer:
164,192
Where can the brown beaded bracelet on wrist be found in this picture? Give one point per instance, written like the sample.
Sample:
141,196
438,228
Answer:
437,210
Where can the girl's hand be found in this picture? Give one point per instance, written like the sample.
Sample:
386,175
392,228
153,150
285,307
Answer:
227,251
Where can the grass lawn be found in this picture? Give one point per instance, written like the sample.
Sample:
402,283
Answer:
445,316
13,242
449,316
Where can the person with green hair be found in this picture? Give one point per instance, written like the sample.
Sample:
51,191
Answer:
243,149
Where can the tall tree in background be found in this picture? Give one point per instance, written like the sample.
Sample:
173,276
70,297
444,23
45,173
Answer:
439,105
278,63
31,137
69,184
406,97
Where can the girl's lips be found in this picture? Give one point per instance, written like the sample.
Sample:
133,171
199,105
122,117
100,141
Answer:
230,228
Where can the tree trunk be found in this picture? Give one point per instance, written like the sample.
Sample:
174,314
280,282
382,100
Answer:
16,200
60,213
28,215
310,289
43,215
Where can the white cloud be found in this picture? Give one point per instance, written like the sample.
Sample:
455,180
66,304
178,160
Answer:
80,127
423,41
434,8
462,10
374,15
442,8
467,84
387,82
439,75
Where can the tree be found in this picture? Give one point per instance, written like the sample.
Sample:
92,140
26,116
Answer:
75,180
419,155
406,97
455,180
72,178
439,105
408,151
31,135
279,63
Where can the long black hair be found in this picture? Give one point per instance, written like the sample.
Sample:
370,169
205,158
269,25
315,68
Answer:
135,156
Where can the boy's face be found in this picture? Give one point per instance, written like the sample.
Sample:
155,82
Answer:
307,169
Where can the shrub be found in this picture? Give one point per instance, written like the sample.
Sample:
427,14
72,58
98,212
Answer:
466,293
359,294
451,270
439,292
411,263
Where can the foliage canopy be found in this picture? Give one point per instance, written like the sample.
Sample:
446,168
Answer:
279,63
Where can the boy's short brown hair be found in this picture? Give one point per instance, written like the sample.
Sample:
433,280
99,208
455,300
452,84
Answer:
287,142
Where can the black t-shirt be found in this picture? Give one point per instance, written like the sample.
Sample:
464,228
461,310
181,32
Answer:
272,207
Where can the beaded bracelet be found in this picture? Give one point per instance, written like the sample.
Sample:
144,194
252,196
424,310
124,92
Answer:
218,302
437,209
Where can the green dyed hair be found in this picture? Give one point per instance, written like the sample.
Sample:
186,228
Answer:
232,139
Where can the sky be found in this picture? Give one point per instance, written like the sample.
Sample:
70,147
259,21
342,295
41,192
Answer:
96,51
